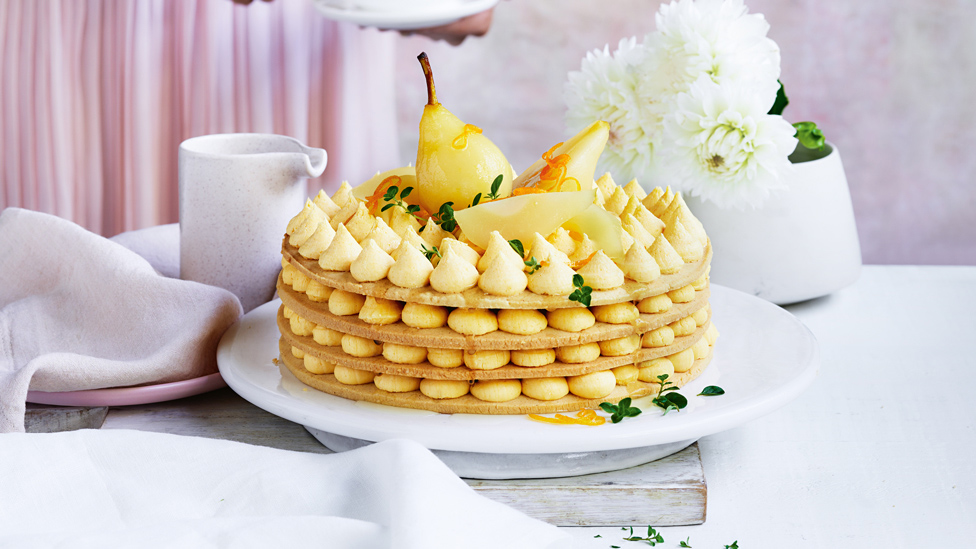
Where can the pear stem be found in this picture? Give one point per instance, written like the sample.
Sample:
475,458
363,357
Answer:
431,92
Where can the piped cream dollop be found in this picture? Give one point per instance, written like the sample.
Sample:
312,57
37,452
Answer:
678,210
554,278
326,204
617,201
453,273
503,276
343,194
345,213
601,273
687,246
383,235
372,264
361,223
640,266
665,255
499,250
318,242
631,207
341,252
606,184
412,269
652,224
400,220
463,251
545,252
635,229
626,241
433,234
304,224
562,241
410,236
634,189
584,249
662,204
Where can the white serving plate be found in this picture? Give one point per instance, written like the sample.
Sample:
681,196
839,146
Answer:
764,358
405,16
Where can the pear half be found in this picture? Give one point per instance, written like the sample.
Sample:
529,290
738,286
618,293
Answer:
455,161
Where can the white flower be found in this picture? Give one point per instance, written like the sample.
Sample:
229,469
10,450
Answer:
721,145
605,88
717,38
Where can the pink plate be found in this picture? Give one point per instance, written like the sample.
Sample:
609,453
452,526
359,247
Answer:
129,396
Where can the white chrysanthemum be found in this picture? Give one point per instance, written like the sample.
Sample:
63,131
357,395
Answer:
717,38
605,88
721,145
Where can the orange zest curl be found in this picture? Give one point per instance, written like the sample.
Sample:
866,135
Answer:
527,190
461,141
373,201
583,417
582,263
553,175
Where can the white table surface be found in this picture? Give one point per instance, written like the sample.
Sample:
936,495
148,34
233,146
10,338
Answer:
879,452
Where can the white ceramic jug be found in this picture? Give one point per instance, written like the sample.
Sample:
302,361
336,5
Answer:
237,193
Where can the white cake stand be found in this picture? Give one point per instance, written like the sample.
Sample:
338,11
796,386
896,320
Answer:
764,358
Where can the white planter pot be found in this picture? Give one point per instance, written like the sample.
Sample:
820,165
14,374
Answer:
801,244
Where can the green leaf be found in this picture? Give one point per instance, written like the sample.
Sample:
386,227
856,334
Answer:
406,192
608,407
781,100
677,399
712,390
391,193
662,378
387,207
532,264
686,543
735,545
516,245
477,199
496,185
810,135
578,281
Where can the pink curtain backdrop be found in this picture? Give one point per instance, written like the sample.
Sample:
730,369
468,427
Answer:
97,95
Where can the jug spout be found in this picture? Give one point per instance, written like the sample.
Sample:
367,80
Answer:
315,161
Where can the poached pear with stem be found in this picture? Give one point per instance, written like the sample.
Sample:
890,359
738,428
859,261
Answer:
455,162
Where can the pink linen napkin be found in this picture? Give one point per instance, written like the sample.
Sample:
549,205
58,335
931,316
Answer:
78,311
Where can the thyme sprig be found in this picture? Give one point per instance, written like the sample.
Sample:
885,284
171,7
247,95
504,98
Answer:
621,410
582,291
392,200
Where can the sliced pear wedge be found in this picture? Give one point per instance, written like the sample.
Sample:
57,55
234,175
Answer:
583,151
520,217
601,226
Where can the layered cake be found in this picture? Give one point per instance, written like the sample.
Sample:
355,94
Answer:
546,292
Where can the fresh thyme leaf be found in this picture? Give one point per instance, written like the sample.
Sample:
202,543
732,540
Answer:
735,545
712,390
582,292
445,217
405,192
516,245
620,411
477,199
671,400
685,543
495,186
413,208
429,253
391,193
598,536
653,537
387,207
532,264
